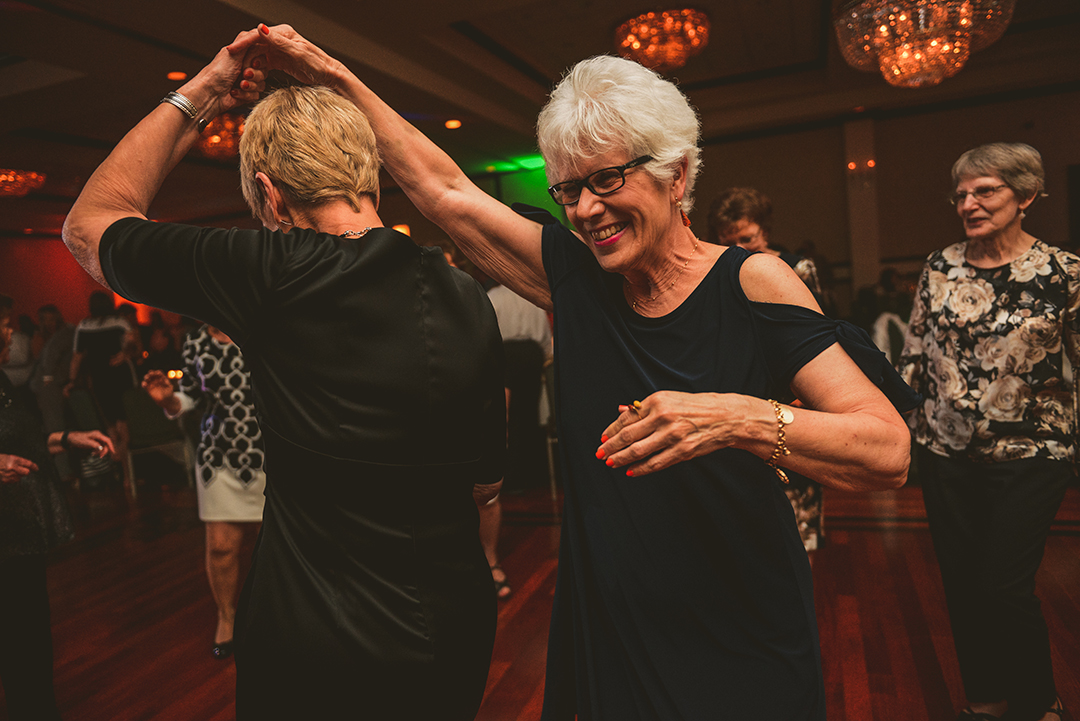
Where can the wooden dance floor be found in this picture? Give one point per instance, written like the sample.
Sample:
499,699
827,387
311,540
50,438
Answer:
133,618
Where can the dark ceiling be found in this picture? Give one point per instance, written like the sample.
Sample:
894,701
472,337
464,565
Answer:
75,75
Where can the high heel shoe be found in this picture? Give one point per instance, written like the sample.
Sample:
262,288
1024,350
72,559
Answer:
223,650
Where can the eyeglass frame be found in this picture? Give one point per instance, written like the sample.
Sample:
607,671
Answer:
958,197
553,190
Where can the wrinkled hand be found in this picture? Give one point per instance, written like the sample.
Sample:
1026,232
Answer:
158,387
282,48
96,442
671,427
12,468
228,78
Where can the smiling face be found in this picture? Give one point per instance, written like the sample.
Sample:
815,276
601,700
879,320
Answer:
986,218
626,229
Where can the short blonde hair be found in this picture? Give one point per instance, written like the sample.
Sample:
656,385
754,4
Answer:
1017,164
315,145
607,103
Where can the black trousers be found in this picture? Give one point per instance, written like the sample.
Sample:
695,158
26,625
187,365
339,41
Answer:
26,651
989,523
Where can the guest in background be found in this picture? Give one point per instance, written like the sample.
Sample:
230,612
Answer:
20,363
995,319
33,519
54,341
103,346
230,481
743,217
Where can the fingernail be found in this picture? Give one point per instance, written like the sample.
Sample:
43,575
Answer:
263,29
610,463
600,454
604,438
249,73
629,473
256,63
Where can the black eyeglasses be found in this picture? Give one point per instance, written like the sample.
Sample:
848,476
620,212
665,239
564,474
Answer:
983,192
603,182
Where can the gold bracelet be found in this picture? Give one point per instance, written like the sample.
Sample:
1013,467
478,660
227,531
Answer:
784,416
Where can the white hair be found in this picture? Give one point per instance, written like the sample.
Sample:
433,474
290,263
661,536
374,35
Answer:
607,103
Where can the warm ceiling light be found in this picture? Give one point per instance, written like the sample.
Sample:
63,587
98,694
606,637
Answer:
663,40
403,228
17,183
221,139
177,75
917,43
452,124
870,163
852,165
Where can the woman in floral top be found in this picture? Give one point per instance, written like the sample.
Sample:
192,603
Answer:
995,317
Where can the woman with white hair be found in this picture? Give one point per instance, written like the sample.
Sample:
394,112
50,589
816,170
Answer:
995,318
683,587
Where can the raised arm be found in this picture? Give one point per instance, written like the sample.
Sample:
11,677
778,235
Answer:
847,434
126,183
502,243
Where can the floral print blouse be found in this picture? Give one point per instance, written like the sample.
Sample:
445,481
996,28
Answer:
986,347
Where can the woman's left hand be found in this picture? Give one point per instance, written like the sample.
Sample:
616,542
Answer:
229,80
96,442
670,427
12,468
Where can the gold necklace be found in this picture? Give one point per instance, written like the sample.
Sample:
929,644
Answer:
355,233
650,299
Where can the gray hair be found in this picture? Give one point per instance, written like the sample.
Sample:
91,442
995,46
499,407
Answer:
607,103
1017,164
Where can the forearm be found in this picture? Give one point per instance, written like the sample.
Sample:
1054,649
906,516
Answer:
489,233
860,450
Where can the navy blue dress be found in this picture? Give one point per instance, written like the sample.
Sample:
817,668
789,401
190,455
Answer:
684,594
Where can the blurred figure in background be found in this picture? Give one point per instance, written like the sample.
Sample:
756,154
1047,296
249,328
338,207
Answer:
54,342
229,468
102,360
743,217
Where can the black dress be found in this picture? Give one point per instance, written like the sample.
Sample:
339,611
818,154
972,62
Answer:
377,378
683,594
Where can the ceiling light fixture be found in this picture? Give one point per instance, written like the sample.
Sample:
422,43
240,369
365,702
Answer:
663,40
17,183
221,139
452,124
177,75
917,43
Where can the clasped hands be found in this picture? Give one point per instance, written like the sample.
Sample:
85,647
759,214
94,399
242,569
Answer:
670,427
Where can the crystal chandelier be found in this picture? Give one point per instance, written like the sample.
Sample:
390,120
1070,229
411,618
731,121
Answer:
663,40
917,43
221,139
17,183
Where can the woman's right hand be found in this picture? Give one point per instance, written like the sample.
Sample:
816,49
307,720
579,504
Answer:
282,48
159,388
12,468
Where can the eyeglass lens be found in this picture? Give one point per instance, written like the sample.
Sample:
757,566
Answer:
603,182
983,192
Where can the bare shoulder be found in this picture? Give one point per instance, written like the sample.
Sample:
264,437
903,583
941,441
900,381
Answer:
766,278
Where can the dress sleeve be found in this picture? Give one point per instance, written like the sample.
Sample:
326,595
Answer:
221,277
791,336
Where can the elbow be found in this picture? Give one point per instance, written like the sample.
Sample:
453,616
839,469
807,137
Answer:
82,244
893,461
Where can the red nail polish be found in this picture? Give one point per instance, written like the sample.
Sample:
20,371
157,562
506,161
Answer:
604,439
610,463
249,73
630,473
256,63
600,454
263,29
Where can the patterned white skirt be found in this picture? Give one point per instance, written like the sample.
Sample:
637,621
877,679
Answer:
226,498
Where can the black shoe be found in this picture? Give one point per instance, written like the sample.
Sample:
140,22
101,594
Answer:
223,650
969,715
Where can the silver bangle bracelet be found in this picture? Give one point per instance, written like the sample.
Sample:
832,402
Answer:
186,106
